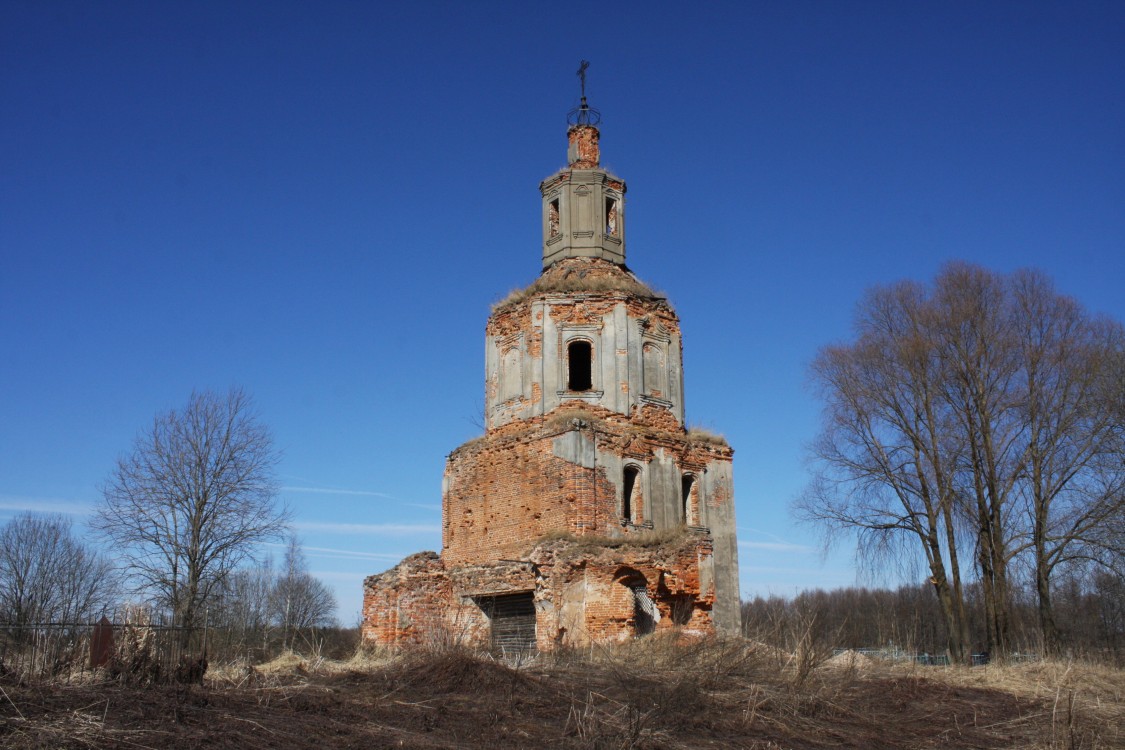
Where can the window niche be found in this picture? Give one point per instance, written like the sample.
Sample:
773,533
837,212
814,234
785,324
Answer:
511,374
579,365
654,370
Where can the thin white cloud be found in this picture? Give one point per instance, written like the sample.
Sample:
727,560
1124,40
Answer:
20,503
340,576
384,529
340,554
358,493
337,491
776,546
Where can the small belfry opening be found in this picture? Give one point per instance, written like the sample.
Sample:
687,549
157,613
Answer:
579,355
611,217
553,218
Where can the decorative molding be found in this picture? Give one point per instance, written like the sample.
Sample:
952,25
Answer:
580,395
653,400
512,340
567,328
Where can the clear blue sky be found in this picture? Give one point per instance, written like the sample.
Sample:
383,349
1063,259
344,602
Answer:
319,201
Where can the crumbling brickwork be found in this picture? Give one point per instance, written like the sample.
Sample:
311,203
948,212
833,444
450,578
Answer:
584,151
583,591
586,511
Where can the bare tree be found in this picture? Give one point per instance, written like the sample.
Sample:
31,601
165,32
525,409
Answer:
47,575
1070,396
973,333
986,411
888,451
301,601
192,499
245,606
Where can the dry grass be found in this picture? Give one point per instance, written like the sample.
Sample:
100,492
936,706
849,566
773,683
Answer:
1086,702
703,435
666,691
562,418
551,283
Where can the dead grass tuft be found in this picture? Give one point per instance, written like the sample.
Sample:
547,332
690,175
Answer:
562,418
703,435
567,283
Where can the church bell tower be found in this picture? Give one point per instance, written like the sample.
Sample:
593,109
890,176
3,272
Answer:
583,205
585,439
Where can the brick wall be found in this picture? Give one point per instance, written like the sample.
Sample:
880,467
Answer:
582,590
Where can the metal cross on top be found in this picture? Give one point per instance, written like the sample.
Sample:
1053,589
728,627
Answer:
583,114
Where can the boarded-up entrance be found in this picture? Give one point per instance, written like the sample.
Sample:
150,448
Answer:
512,618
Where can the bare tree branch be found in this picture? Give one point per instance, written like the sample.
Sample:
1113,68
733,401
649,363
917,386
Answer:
192,499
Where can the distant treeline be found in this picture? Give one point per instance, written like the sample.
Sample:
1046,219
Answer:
1091,615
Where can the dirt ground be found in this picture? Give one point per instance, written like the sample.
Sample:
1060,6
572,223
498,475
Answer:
711,695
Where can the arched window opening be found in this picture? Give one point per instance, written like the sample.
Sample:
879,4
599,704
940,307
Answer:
579,366
686,485
629,484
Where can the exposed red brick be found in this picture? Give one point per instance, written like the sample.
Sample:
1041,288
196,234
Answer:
585,137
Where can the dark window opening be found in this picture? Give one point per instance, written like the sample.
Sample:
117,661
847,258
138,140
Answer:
512,621
644,611
579,366
685,490
630,482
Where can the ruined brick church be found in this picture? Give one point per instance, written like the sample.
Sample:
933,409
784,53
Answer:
587,511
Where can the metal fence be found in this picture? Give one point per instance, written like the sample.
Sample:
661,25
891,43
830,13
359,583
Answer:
67,651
